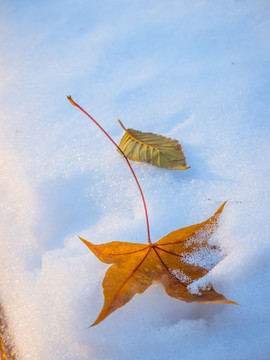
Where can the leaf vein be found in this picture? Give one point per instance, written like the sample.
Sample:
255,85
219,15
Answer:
127,253
166,267
127,279
169,252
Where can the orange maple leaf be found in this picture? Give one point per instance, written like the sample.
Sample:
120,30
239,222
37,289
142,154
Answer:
136,266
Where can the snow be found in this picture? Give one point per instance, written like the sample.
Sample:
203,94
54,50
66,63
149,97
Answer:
197,71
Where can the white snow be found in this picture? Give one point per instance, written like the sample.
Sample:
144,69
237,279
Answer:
197,71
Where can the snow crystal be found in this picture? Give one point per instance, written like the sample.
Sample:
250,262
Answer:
180,275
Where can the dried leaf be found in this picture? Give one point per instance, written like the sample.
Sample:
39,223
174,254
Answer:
154,149
136,266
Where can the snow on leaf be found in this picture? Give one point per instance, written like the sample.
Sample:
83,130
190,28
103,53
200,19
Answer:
136,266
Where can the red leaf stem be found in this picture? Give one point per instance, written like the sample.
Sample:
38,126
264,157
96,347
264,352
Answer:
131,169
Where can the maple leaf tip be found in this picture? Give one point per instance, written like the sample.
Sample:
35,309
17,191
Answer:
220,209
84,241
233,303
94,323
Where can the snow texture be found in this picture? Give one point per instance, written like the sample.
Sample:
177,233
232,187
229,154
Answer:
197,71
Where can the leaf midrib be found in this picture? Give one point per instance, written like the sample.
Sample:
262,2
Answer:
145,144
150,146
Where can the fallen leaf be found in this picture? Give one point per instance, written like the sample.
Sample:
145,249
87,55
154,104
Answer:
154,149
136,266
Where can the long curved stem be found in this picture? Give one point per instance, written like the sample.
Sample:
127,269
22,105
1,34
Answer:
131,169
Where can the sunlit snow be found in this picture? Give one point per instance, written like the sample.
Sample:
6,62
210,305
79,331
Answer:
196,71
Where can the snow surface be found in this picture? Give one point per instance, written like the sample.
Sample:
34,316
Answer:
197,71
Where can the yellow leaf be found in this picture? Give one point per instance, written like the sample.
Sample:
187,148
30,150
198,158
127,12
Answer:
154,149
136,266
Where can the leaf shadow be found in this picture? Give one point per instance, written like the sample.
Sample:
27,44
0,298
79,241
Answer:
163,310
199,167
193,311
